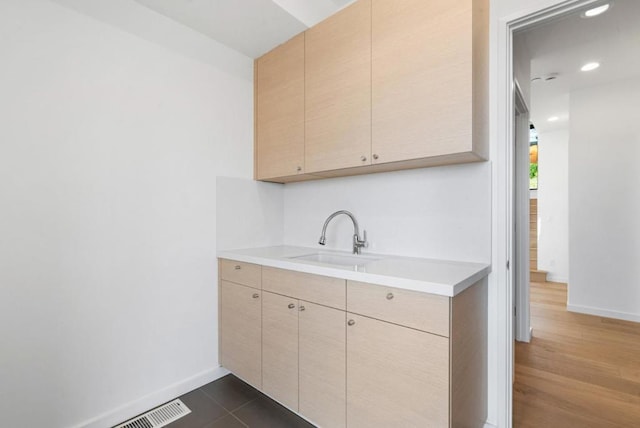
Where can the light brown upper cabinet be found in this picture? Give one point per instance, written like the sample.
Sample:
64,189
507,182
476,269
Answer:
338,90
279,111
429,80
386,85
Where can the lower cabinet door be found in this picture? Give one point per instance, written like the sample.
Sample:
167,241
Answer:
280,349
396,376
322,365
241,331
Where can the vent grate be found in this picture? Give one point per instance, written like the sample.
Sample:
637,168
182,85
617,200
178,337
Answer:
158,417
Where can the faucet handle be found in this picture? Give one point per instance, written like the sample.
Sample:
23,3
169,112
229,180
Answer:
359,243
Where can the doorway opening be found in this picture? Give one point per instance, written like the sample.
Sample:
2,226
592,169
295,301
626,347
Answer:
574,217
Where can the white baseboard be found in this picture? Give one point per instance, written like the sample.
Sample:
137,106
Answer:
154,399
604,313
489,425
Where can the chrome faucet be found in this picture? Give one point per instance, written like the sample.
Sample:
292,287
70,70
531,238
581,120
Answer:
357,242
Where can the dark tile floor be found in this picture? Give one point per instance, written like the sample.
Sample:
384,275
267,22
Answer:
230,403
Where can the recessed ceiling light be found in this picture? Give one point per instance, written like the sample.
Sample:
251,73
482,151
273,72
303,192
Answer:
553,119
596,11
590,66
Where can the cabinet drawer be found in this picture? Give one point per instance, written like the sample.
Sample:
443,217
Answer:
241,273
422,311
305,286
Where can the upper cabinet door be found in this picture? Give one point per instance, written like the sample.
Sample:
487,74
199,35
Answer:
338,90
421,78
279,111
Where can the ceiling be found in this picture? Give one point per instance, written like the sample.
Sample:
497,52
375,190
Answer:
562,46
252,27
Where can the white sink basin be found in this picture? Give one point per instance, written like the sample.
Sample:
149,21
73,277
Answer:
335,259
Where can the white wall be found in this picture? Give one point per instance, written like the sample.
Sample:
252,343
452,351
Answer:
604,208
440,213
553,204
249,213
109,150
97,67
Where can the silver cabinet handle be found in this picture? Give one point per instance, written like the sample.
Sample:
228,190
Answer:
237,267
375,156
299,169
389,296
256,295
363,158
291,306
351,322
302,308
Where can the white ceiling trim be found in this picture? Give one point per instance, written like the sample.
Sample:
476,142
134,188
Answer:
312,12
252,27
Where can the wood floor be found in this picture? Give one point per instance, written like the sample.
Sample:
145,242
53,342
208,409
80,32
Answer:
579,370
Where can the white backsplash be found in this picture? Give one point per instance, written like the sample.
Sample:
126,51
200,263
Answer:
441,212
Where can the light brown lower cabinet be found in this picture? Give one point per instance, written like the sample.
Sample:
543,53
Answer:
322,365
303,358
240,331
373,365
396,376
280,348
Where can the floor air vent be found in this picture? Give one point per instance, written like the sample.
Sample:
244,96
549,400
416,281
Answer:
158,417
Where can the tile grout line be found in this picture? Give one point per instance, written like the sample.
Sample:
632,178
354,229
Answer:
211,422
213,399
216,402
239,420
244,405
221,405
232,413
229,412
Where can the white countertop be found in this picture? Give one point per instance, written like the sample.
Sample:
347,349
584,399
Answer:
443,277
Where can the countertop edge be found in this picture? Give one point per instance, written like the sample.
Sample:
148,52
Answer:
448,289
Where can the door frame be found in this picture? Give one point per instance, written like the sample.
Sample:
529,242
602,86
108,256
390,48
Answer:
503,193
521,222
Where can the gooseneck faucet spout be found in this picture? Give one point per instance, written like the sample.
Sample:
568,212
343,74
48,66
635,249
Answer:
357,242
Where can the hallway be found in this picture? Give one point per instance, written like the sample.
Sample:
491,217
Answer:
579,370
